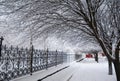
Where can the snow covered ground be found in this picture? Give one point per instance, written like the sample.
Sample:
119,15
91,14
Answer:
40,74
87,70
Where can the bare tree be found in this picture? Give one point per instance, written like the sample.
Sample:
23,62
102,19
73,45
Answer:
42,17
99,19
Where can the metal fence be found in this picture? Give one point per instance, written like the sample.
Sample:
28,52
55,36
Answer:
16,62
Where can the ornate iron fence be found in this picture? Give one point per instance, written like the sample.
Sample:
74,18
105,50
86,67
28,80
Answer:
16,62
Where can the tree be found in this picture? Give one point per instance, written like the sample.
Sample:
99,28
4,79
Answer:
100,19
89,17
95,49
40,16
95,52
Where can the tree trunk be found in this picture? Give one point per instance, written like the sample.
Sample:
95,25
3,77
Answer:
110,67
96,58
117,69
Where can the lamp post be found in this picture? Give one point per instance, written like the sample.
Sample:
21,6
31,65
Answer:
1,40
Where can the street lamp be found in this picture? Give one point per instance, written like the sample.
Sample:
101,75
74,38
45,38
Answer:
1,40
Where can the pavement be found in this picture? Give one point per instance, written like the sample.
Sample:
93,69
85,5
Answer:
42,73
85,70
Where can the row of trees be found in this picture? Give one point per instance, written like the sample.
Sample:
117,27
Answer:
99,20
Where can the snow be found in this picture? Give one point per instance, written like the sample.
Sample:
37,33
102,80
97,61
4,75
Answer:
87,70
92,71
40,74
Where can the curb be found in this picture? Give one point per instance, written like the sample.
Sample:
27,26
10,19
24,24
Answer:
80,60
53,73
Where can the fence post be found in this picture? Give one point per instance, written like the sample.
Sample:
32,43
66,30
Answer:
31,59
1,40
47,59
62,57
18,60
56,57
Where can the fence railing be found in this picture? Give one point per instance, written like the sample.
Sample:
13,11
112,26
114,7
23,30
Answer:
16,62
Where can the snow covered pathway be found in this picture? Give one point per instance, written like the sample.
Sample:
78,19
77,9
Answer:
87,70
40,74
